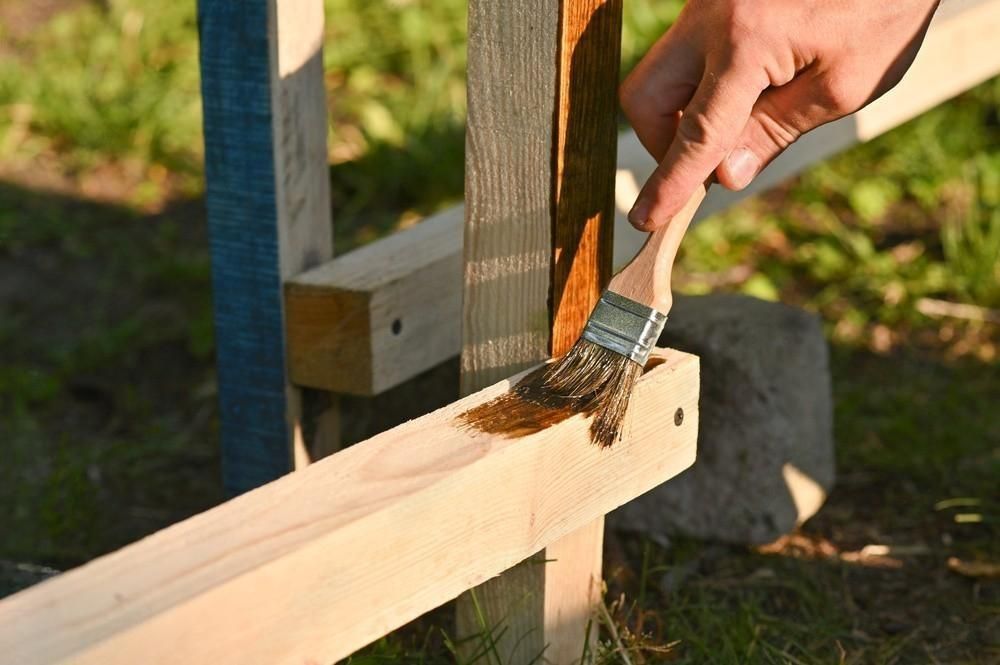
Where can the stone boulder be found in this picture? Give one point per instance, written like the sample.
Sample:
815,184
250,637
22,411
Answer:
765,445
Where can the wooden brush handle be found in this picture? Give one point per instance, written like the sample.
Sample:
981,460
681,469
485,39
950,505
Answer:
646,279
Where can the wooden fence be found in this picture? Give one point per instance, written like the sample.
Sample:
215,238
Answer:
315,564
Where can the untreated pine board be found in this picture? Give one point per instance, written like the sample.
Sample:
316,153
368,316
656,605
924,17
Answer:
512,79
305,229
319,563
267,194
538,195
959,52
584,186
509,172
357,323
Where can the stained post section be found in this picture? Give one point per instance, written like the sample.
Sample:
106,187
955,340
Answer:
268,205
540,172
586,161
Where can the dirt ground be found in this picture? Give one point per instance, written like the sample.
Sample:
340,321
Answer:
109,431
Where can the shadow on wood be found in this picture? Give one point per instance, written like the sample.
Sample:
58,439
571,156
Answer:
396,525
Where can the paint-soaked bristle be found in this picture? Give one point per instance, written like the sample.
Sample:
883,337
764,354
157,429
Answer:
589,379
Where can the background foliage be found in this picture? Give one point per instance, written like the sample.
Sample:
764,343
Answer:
107,393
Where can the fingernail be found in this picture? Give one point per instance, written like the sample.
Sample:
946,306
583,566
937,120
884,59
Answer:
742,166
639,213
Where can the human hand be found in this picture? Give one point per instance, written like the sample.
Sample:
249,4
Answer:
734,82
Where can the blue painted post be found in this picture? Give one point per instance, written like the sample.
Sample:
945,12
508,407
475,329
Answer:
268,213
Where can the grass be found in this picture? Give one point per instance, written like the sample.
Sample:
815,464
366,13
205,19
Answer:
911,461
861,238
113,82
107,394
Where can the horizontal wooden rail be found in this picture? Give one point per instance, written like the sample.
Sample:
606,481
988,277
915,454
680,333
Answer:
311,567
376,317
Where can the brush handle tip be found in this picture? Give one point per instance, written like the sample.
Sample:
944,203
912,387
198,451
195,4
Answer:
646,278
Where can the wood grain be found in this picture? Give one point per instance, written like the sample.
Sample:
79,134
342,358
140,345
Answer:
318,563
508,181
582,232
573,585
539,204
957,54
267,196
367,321
586,123
513,78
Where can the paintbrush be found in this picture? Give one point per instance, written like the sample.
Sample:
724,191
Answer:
596,376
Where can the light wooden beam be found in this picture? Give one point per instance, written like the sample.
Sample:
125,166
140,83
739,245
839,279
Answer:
513,76
363,322
960,52
539,174
268,200
315,565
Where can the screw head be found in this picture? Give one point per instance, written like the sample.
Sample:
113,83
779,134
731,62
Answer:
678,416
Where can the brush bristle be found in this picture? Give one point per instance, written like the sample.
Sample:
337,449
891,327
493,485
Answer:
589,379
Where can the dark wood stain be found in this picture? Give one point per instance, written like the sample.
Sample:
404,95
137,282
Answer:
514,415
532,405
584,164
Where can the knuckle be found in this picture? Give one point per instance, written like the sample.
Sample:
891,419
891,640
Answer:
750,73
661,173
742,55
745,20
742,64
635,101
627,96
698,132
839,93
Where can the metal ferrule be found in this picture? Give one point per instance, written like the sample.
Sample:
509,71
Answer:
624,326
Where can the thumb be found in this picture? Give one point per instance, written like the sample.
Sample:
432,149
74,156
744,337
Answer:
779,118
708,129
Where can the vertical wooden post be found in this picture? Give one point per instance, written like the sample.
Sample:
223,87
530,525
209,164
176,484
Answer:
268,205
540,168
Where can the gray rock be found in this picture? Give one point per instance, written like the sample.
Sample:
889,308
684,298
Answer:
765,445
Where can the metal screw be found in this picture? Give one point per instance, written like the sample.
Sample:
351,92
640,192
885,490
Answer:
678,416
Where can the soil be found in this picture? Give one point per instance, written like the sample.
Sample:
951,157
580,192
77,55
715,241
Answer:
109,426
